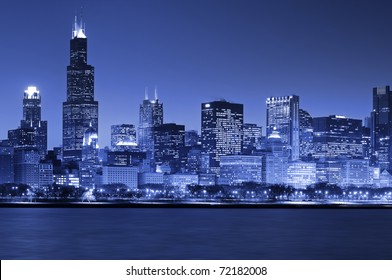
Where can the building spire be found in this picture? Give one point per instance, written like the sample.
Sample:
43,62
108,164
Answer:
146,93
79,29
156,93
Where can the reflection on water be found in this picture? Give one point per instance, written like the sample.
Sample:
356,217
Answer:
173,233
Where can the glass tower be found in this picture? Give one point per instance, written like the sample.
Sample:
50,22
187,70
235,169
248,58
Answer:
381,127
283,115
80,111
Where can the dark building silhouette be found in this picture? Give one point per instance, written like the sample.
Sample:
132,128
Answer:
21,137
80,111
221,131
168,145
6,162
305,135
381,126
337,136
125,158
252,137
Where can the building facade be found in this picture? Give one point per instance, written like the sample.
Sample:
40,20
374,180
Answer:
283,115
301,174
337,136
150,116
80,111
127,175
381,126
276,159
123,137
168,143
238,169
221,131
252,137
32,119
305,135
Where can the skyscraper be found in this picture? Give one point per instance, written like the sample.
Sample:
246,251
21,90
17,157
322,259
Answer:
337,136
252,137
80,111
32,119
381,127
150,116
283,115
168,142
276,159
89,163
305,134
221,131
33,132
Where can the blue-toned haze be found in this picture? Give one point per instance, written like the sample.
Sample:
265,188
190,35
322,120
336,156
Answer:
330,53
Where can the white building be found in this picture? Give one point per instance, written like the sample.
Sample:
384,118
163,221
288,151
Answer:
301,174
237,169
127,175
180,179
357,172
150,178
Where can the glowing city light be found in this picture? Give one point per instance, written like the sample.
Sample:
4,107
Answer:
30,91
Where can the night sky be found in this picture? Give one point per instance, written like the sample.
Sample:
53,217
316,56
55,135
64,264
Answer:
329,53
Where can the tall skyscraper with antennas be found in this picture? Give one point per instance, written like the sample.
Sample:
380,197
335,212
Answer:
80,111
150,116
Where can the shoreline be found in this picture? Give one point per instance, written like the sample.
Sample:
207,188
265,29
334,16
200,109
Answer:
200,204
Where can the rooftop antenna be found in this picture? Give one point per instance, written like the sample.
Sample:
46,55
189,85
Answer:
156,93
146,93
82,24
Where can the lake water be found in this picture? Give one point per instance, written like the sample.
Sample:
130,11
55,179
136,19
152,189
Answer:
188,233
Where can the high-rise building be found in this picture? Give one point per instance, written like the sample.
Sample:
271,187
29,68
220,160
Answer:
26,166
276,159
80,111
123,137
193,160
33,132
168,142
32,119
150,116
6,162
252,137
337,136
305,134
221,131
89,164
283,115
381,126
21,137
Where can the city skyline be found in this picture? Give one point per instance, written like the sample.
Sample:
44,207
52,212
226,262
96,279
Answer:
232,53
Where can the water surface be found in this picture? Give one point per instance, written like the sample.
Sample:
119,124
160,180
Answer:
188,233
